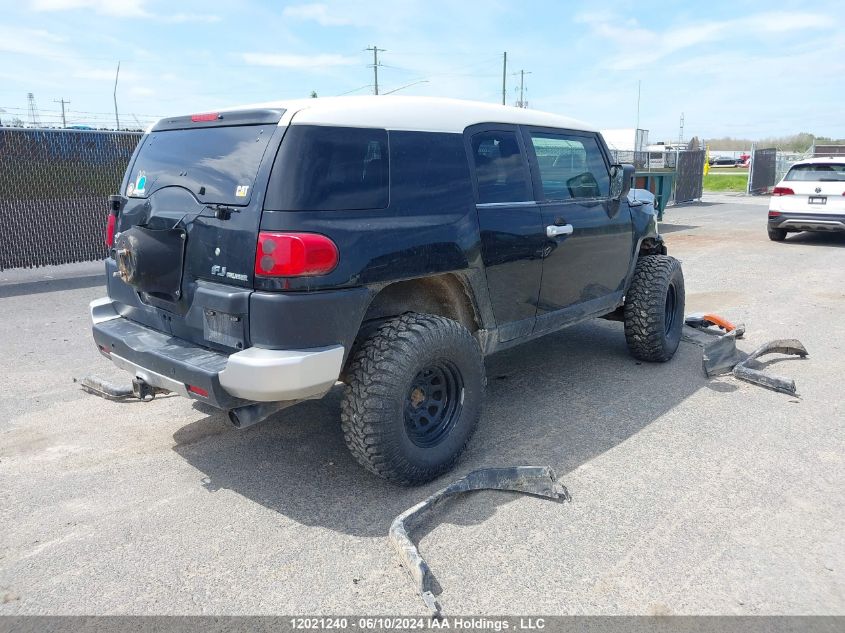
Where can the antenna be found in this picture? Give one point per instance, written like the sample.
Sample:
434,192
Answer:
116,117
34,119
639,85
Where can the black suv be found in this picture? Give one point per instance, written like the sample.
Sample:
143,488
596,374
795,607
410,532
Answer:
262,254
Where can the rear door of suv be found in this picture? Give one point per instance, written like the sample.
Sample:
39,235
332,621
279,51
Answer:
509,219
194,191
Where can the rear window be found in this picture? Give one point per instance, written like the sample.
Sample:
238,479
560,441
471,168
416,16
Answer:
832,172
323,168
217,164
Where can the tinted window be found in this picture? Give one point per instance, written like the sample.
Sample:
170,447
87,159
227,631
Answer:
218,165
571,166
499,168
816,172
322,168
429,172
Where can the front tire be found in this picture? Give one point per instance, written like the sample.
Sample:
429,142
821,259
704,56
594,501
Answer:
413,397
654,308
777,235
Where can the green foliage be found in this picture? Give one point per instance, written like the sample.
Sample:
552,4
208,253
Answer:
726,182
800,142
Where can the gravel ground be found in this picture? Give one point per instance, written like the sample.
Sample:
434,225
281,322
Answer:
690,496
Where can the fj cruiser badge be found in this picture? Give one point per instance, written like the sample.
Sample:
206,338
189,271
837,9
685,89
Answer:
220,271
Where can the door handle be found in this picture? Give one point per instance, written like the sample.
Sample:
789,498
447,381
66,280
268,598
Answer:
554,231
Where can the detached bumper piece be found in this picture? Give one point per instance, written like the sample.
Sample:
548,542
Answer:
531,480
744,372
720,355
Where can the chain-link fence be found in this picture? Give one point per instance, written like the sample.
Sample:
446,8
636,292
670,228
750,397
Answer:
54,188
763,170
689,175
688,166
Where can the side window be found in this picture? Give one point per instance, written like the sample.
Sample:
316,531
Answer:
324,168
429,172
500,168
571,166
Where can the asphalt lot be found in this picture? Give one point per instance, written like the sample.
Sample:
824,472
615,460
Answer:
690,496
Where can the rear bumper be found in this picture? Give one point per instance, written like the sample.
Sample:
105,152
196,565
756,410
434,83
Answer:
253,375
791,221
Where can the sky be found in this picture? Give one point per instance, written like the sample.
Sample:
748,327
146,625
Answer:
742,68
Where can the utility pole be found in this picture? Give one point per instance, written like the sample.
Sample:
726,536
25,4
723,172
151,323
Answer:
522,103
116,116
504,78
376,50
63,102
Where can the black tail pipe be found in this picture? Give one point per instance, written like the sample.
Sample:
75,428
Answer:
243,417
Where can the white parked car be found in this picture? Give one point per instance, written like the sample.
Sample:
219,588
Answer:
811,197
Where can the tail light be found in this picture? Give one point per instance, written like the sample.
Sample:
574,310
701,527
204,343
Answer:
294,255
116,202
774,214
198,391
112,221
782,191
208,116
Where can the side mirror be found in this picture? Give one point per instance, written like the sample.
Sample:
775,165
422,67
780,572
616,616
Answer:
621,177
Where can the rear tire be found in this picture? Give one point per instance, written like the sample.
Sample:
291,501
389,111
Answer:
413,397
654,308
777,235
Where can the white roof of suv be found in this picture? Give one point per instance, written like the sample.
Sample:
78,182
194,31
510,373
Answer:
428,114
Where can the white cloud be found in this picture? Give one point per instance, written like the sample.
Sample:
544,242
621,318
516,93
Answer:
638,46
141,91
319,13
34,42
180,18
299,61
120,9
104,74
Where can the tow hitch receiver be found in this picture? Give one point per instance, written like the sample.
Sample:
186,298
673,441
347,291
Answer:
531,480
138,389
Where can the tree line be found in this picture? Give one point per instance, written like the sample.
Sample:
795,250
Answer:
795,143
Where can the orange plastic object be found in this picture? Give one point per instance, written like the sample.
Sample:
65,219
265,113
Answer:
723,323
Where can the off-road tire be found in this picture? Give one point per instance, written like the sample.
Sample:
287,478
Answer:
654,308
777,235
380,388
